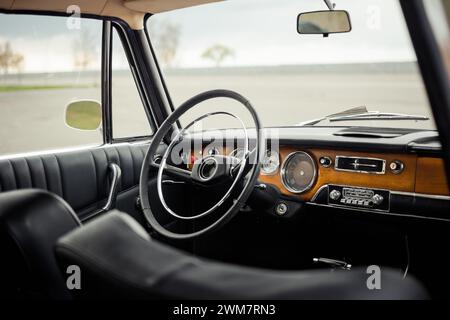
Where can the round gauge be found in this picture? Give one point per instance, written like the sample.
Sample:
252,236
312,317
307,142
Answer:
237,153
298,172
270,163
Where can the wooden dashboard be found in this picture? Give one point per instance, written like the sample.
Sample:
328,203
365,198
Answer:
423,175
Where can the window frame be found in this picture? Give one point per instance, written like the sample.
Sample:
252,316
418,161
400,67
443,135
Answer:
158,68
137,77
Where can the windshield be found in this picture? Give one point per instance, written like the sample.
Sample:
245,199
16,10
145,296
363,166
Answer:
253,47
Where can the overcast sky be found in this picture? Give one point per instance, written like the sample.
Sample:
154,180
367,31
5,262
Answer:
261,32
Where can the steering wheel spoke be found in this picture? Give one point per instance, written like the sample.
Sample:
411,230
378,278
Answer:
174,171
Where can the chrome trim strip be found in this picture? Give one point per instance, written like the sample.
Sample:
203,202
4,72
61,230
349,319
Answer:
172,182
313,199
283,172
422,195
336,163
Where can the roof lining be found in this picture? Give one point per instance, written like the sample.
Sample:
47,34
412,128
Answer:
131,11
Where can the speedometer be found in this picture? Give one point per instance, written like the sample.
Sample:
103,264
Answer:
299,172
270,163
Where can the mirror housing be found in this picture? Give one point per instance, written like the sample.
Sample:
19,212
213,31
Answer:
84,114
324,22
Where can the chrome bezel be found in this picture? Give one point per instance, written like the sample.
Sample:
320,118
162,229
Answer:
283,172
274,172
202,166
336,163
400,169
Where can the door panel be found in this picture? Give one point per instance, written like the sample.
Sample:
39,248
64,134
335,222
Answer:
79,177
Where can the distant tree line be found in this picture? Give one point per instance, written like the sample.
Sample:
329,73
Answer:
10,60
165,36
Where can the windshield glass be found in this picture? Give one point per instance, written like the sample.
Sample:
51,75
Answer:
253,47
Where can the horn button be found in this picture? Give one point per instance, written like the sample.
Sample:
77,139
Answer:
212,169
208,169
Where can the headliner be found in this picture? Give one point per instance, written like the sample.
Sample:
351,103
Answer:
131,11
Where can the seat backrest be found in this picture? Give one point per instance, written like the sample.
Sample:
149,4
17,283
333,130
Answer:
31,221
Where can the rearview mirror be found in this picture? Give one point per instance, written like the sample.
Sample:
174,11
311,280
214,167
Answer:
324,22
84,115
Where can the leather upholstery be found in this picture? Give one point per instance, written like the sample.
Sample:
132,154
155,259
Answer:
79,177
30,223
136,266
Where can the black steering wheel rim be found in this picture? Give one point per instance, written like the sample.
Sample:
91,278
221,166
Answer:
158,137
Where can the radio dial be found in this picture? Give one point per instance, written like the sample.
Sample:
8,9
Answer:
377,199
335,195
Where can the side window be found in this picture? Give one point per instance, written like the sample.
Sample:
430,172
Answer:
129,118
46,62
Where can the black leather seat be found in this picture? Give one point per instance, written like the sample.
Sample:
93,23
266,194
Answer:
118,259
31,221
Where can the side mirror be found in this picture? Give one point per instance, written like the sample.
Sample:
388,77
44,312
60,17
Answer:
84,115
324,22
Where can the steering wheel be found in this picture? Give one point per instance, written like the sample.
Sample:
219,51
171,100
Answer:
206,170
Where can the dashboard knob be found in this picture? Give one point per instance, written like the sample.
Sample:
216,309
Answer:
325,161
334,195
396,166
377,199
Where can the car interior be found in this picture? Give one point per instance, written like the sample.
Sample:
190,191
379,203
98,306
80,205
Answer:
250,211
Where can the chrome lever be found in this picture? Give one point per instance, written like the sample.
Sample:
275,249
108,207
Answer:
116,174
333,263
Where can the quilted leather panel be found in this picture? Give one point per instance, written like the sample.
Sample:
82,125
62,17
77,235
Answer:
79,177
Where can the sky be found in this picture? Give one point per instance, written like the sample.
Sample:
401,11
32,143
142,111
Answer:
263,32
260,32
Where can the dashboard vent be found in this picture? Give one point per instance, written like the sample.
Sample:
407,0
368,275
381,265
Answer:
360,164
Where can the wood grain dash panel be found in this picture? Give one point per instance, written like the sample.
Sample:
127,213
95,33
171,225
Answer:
431,177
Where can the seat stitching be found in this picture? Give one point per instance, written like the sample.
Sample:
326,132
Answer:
45,174
120,161
16,181
107,160
29,172
95,173
132,164
61,177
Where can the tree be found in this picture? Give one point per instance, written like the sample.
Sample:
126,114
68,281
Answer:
166,37
218,54
9,60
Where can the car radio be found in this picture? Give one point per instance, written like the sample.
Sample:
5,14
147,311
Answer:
373,199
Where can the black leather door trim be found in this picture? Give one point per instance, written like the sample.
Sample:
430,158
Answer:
80,177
